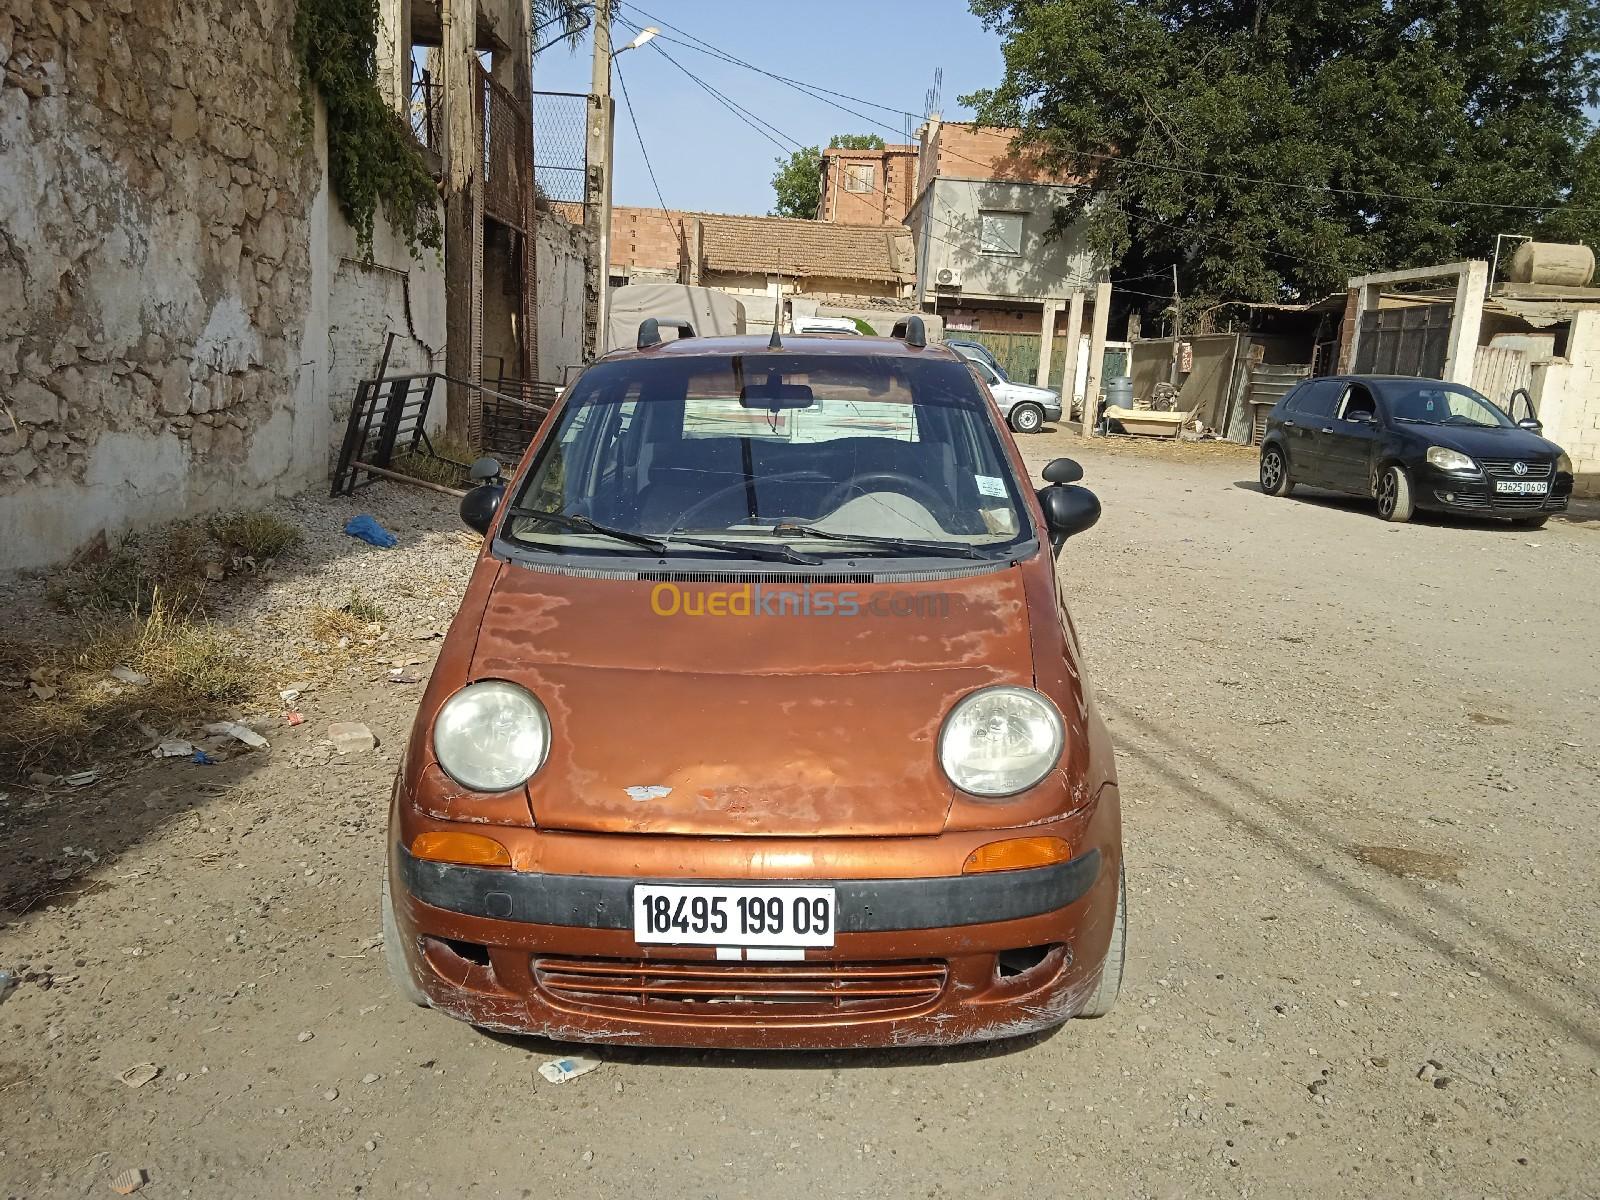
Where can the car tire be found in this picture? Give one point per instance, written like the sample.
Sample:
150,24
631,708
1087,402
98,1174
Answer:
1394,494
1110,985
394,958
1275,479
1533,522
1027,418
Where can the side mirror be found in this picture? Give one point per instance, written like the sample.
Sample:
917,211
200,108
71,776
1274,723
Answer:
478,506
1068,510
1362,418
1063,470
1531,424
485,470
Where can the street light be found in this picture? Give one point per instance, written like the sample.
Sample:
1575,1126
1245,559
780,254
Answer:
645,34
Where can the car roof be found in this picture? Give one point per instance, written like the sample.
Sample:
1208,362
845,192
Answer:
820,344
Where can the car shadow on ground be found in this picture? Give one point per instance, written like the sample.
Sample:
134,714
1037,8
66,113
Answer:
757,1060
1552,994
1358,505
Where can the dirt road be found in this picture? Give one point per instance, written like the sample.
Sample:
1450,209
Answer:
1308,705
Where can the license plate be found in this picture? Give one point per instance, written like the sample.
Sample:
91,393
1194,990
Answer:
1522,487
708,915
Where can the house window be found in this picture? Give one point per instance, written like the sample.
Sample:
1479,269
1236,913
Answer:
859,177
1000,232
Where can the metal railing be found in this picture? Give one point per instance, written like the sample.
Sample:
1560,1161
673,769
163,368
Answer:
426,107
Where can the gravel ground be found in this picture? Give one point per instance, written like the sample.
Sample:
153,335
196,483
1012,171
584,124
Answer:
1360,776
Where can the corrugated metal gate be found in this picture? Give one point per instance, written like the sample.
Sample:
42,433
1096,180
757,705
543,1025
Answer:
1268,385
1405,341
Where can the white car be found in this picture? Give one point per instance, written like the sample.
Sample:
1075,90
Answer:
1025,408
825,325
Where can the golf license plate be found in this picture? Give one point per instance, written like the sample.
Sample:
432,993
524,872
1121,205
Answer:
714,915
1522,487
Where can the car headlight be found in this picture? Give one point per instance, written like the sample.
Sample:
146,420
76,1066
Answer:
1563,464
1449,460
491,736
1000,741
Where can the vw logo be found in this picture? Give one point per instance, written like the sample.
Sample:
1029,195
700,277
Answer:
1519,468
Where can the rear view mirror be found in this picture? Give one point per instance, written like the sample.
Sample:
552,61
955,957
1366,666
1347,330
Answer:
1531,424
485,469
774,394
478,506
1068,510
1063,470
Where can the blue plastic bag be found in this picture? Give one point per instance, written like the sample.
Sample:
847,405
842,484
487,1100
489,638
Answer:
203,759
368,530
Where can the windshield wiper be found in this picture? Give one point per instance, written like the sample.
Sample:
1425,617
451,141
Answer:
581,524
585,525
937,549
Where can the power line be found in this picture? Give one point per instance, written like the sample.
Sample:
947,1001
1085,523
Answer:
633,117
1326,189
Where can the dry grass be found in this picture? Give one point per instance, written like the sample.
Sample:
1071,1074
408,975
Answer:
128,577
351,620
193,669
258,535
448,469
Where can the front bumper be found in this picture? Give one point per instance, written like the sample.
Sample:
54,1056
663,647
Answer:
1447,491
916,961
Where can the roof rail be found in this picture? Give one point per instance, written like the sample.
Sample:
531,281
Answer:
650,330
911,331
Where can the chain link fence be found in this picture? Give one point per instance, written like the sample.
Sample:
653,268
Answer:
560,146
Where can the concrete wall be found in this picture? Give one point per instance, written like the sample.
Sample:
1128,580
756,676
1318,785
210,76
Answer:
178,298
562,281
945,224
1566,395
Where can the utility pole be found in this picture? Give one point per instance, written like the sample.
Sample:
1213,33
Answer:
1177,327
597,194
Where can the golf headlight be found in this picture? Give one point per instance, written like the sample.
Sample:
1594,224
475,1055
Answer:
1000,741
491,736
1449,460
1563,464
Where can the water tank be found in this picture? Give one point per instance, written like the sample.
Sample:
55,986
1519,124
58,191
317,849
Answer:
1119,392
1552,262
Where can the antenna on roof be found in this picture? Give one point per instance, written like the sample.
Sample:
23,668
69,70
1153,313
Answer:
776,342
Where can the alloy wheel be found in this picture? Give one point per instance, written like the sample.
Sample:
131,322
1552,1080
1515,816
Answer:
1271,471
1386,495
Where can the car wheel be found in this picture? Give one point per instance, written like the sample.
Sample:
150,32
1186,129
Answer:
394,958
1110,986
1027,418
1275,479
1534,522
1394,495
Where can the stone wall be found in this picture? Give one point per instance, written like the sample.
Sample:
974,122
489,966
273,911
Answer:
562,275
179,297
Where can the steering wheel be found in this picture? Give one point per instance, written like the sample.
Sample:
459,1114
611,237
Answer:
919,490
740,485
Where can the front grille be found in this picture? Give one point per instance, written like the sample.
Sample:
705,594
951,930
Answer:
1504,468
724,992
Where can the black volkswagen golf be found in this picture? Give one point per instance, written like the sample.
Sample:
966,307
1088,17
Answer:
1413,443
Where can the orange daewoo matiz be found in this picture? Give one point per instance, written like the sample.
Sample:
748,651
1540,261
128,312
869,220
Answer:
762,722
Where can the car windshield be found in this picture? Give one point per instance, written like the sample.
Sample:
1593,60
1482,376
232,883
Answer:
1433,403
770,453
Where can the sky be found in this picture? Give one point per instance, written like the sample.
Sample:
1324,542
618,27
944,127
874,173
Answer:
706,159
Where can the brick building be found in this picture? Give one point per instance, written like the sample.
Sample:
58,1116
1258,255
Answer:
866,265
868,187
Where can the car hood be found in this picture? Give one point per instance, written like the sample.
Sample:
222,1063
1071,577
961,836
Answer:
1486,443
763,724
1025,391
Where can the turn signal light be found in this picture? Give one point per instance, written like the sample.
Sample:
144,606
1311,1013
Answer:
1016,854
468,849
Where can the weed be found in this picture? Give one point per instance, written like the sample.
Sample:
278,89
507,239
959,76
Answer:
448,468
349,620
259,534
364,608
128,578
193,670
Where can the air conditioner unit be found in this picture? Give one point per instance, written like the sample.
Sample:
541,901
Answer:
947,278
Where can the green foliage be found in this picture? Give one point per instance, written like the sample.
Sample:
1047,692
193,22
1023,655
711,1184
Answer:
798,183
372,156
1406,105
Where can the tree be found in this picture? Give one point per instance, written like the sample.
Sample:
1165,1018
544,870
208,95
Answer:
798,182
1273,150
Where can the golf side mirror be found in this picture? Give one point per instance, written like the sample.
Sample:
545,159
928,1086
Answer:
1531,424
478,506
1062,470
1068,510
